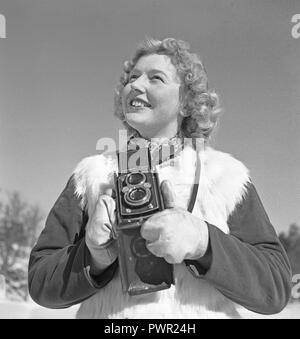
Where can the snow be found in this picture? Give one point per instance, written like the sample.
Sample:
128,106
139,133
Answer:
30,310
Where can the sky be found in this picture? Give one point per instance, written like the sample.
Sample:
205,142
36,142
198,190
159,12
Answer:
61,60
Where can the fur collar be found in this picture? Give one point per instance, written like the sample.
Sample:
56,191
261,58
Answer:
222,177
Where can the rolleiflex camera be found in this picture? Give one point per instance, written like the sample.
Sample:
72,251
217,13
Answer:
138,197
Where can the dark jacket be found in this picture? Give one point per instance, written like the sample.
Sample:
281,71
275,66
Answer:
249,266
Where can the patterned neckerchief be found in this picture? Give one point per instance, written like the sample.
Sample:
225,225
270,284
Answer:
161,149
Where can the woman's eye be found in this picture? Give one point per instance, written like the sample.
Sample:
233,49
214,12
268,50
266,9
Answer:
133,77
157,77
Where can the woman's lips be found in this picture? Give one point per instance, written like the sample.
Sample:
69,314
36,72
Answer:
137,104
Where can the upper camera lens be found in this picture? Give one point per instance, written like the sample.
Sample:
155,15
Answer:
135,178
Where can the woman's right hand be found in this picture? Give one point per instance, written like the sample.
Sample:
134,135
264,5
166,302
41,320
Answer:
99,236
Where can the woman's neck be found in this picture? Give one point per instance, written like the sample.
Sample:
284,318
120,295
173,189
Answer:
167,133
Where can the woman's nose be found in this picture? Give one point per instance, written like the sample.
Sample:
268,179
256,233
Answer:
139,84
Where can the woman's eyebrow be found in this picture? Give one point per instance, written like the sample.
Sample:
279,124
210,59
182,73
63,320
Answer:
154,70
134,70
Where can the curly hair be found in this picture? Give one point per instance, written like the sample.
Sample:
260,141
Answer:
200,105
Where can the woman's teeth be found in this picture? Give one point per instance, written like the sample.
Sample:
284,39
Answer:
138,103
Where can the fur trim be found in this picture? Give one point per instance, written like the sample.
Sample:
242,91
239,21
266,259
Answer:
223,183
92,177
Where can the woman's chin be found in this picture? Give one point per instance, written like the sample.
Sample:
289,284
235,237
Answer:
137,120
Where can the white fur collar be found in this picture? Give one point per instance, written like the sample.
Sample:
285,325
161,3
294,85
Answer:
223,179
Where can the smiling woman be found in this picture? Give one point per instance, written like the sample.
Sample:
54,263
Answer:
150,100
222,247
172,67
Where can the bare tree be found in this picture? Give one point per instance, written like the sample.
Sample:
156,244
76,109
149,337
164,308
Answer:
19,222
291,243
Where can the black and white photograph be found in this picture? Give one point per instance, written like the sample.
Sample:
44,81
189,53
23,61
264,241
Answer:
149,161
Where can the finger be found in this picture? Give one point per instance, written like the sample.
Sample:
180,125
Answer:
168,194
150,231
106,210
110,205
155,248
108,191
101,210
159,250
171,260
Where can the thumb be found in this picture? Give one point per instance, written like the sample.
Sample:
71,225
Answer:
168,194
110,206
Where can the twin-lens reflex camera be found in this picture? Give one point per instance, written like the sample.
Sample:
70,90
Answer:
138,197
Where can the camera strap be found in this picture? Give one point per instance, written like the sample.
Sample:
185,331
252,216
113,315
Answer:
196,184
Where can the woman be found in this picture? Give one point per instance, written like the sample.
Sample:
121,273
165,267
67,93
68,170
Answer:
224,253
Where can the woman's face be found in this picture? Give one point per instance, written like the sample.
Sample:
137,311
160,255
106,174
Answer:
150,100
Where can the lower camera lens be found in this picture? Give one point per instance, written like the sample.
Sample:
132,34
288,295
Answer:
137,194
139,248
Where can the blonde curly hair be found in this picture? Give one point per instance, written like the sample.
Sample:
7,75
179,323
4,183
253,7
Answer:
200,105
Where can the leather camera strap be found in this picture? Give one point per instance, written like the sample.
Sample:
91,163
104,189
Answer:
196,183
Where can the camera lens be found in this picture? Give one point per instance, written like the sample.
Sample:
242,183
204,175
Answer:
137,194
139,248
135,178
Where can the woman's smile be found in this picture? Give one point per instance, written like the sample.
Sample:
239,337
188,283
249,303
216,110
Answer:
137,104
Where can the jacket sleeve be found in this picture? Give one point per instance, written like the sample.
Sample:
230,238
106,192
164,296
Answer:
58,273
249,265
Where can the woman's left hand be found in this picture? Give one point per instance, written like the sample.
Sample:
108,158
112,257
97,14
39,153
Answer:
175,234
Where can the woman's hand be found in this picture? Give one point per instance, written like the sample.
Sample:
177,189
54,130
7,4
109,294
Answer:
175,234
99,235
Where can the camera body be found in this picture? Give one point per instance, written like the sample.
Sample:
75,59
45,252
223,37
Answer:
138,197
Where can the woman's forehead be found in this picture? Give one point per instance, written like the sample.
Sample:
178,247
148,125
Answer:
156,62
